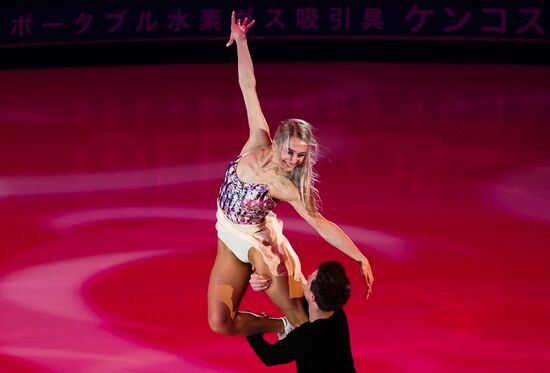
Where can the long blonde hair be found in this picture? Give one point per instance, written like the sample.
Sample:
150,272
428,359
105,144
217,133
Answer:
304,175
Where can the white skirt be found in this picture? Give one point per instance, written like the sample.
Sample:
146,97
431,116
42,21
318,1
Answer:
268,239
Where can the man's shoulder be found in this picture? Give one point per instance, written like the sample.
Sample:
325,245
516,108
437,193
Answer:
338,316
339,313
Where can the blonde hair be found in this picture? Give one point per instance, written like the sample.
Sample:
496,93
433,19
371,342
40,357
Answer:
304,175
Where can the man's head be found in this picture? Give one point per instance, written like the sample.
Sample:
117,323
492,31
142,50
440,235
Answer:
328,286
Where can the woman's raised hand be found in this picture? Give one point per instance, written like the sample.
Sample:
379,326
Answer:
238,29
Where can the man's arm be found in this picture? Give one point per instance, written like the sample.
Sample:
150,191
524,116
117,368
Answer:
282,352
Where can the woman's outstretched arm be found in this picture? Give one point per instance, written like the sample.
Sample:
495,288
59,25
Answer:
335,236
259,129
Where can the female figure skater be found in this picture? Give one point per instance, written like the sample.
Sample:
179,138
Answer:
249,234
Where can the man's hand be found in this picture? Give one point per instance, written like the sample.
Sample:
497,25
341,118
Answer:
259,282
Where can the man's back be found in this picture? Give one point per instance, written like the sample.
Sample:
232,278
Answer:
319,346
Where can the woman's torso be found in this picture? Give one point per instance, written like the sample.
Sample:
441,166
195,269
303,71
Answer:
243,202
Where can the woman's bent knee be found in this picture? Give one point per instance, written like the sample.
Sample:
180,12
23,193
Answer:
223,325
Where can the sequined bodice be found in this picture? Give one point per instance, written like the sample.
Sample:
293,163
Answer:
243,203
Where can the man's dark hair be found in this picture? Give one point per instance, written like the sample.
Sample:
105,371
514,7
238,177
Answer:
331,287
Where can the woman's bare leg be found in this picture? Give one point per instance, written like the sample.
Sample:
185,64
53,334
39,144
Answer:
226,288
279,291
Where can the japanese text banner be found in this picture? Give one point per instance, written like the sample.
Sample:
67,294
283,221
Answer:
60,22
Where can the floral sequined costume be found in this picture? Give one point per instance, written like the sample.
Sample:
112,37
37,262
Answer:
245,220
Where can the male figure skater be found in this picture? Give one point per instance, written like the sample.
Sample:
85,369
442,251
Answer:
322,344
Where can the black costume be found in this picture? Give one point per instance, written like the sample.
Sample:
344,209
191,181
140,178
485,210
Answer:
319,346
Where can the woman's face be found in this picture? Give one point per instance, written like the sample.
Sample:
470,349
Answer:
292,153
